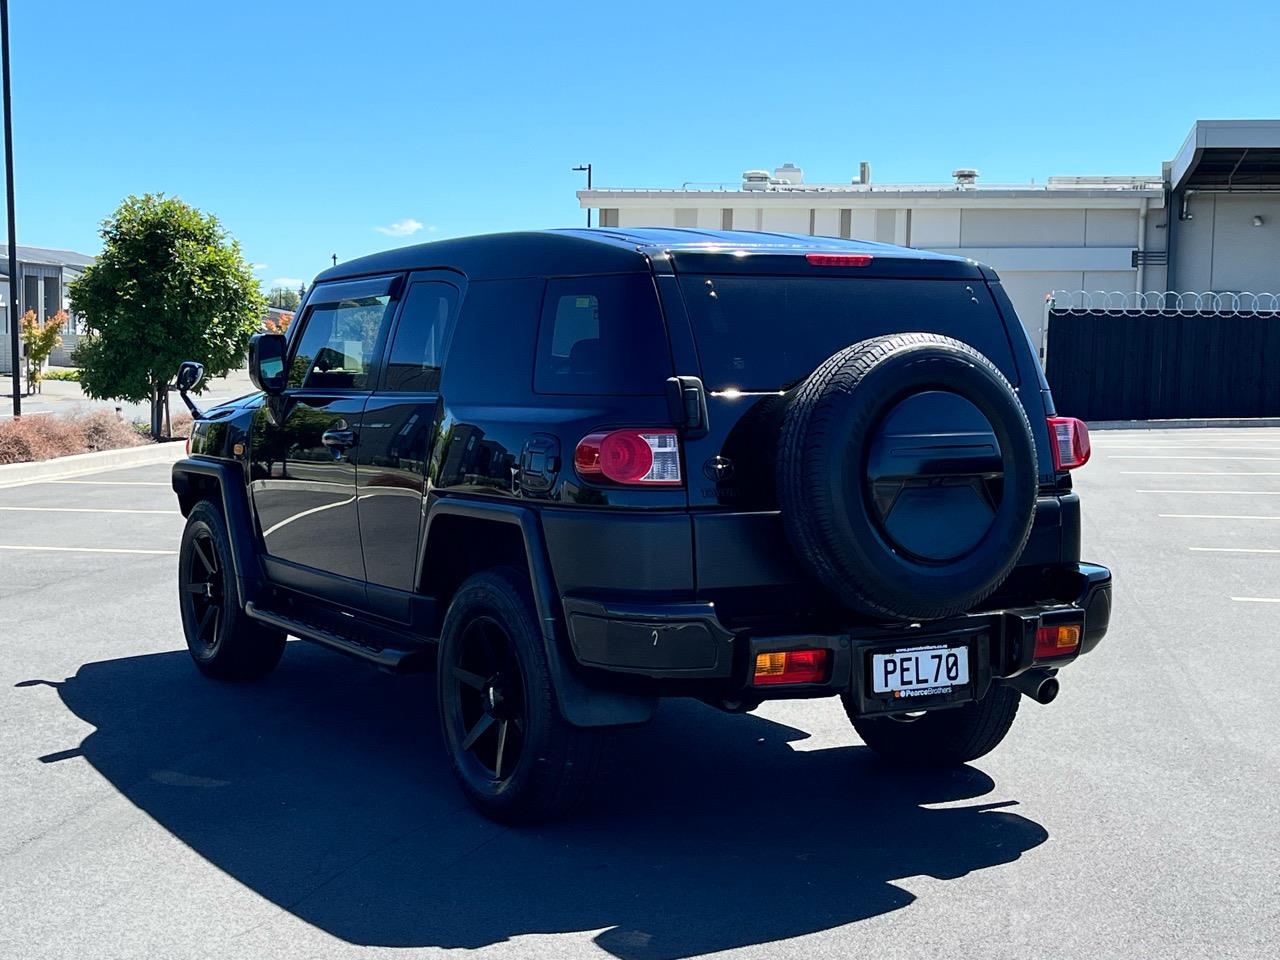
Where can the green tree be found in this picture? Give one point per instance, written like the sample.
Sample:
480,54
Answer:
170,285
283,298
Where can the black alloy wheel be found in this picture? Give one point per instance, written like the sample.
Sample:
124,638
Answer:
489,699
224,642
515,756
202,586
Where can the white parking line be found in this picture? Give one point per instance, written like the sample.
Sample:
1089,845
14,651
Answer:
167,553
86,510
1161,456
1239,493
114,483
1256,599
1233,550
1211,516
1200,473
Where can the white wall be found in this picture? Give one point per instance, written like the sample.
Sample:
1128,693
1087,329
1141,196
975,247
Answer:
1220,249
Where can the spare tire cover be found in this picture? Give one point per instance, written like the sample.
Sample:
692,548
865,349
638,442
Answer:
907,476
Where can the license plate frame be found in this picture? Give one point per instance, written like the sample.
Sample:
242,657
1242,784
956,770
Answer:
908,696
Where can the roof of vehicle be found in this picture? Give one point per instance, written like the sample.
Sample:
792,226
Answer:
625,250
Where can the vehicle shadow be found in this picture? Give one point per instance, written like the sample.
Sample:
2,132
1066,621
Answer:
325,789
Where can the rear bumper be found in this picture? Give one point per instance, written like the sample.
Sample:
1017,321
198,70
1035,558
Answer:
685,650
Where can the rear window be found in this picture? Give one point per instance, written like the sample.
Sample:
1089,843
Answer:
768,333
602,336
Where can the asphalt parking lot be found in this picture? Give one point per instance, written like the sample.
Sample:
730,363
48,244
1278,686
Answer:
150,812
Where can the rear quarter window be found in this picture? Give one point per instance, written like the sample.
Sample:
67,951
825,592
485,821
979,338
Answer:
768,333
602,336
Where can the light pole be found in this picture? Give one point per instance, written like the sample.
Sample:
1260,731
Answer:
587,168
13,230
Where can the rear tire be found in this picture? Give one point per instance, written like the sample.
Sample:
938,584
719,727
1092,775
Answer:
224,642
516,758
940,738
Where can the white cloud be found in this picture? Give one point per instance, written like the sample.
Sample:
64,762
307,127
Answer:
289,283
401,228
256,267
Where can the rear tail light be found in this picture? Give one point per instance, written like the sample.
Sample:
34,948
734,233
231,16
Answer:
1060,640
648,457
791,666
839,259
1071,447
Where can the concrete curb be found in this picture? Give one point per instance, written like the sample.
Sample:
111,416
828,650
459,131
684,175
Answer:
16,474
1181,424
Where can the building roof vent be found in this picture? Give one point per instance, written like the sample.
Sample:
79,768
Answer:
755,179
965,176
789,173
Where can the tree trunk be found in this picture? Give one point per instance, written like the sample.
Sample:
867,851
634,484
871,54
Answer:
157,410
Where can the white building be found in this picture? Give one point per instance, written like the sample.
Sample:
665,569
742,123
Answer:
1098,233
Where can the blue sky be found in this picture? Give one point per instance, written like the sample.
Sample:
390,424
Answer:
307,126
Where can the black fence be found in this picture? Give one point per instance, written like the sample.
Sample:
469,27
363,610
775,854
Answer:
1146,365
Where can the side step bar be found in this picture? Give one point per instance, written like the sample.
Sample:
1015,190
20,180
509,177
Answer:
393,659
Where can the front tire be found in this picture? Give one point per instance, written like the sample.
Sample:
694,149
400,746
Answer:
516,758
223,641
940,738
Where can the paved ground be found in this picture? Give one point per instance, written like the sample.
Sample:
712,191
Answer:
65,397
150,813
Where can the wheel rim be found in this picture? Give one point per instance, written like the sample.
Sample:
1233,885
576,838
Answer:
204,592
489,704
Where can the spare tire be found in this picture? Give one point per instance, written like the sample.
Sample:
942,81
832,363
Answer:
907,476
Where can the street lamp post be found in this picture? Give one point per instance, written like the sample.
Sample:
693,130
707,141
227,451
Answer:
587,168
13,231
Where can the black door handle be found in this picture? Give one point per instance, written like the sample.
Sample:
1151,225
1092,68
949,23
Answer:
338,439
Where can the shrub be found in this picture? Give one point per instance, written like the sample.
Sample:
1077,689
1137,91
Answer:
103,430
71,375
43,437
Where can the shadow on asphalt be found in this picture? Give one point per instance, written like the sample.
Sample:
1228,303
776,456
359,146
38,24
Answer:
326,789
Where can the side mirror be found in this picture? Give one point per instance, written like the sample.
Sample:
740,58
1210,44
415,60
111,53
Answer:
266,362
190,374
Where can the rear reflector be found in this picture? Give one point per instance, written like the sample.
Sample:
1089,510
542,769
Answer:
791,666
1057,641
1071,447
839,259
649,457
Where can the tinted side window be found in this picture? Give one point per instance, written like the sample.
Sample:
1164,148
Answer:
491,351
602,336
336,349
417,349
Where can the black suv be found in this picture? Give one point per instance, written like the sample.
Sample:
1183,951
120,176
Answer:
580,470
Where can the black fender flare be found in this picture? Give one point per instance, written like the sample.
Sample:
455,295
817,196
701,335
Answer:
233,497
581,704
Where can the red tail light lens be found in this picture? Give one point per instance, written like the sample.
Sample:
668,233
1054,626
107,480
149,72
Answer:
648,457
791,666
1071,447
839,259
1057,641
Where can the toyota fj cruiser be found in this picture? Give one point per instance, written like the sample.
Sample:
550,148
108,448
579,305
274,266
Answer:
581,470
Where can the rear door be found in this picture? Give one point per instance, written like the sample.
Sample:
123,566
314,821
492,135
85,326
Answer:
758,335
399,429
305,441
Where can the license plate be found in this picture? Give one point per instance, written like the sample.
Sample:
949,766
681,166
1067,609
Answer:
918,671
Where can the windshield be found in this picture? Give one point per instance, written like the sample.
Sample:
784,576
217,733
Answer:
768,333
